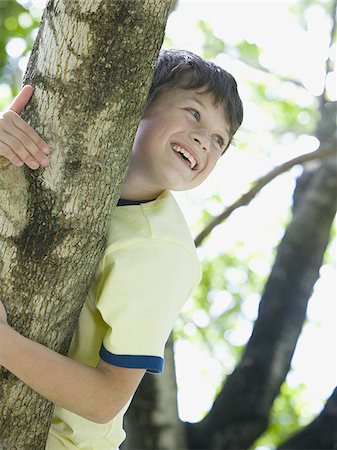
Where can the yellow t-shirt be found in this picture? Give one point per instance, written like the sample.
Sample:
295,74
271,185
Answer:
148,271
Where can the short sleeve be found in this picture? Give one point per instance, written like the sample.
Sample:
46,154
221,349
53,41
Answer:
142,290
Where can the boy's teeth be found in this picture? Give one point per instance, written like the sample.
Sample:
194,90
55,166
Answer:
181,150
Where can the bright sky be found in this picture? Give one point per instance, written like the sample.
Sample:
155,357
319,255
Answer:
290,51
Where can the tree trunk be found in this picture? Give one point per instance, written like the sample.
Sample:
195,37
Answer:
91,67
321,434
152,421
240,413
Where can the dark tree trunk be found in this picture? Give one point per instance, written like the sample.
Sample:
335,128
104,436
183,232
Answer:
240,413
321,434
152,421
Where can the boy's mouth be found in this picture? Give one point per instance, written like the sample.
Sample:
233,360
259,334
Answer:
185,155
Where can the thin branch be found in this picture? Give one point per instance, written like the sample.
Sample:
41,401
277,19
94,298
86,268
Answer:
240,412
259,184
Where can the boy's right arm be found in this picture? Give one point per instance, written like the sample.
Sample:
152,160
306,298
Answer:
19,142
96,393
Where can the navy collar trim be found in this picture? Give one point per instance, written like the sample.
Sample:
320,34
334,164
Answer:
125,202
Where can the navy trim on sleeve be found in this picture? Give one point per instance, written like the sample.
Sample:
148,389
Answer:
152,364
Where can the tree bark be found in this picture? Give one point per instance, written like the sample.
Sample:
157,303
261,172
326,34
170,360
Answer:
91,67
152,421
240,413
321,434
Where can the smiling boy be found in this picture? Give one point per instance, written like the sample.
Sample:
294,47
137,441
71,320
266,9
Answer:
173,148
149,267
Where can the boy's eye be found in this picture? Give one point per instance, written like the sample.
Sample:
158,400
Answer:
219,141
195,113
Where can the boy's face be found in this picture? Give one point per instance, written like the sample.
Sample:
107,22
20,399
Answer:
180,138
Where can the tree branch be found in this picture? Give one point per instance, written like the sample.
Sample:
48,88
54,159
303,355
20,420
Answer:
319,434
240,412
246,198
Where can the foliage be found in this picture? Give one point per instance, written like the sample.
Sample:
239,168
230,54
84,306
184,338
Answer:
228,279
299,9
225,305
212,45
17,30
286,416
220,317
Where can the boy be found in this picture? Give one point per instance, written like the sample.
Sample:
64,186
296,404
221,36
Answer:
149,267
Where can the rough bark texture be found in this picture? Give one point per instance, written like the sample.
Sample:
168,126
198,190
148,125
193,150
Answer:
152,421
91,67
240,412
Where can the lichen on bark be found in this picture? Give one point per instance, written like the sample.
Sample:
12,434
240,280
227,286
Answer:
91,66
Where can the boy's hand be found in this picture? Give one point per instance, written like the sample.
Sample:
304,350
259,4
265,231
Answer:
3,314
19,142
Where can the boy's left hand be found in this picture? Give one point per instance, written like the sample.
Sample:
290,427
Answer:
3,314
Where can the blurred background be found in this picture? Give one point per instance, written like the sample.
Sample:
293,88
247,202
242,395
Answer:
282,54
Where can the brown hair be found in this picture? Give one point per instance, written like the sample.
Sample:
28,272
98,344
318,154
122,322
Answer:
185,70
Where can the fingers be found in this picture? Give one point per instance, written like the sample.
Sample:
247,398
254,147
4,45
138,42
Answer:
20,144
21,99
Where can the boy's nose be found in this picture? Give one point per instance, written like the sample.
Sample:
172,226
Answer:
202,138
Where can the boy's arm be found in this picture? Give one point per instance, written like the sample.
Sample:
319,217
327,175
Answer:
19,142
96,394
